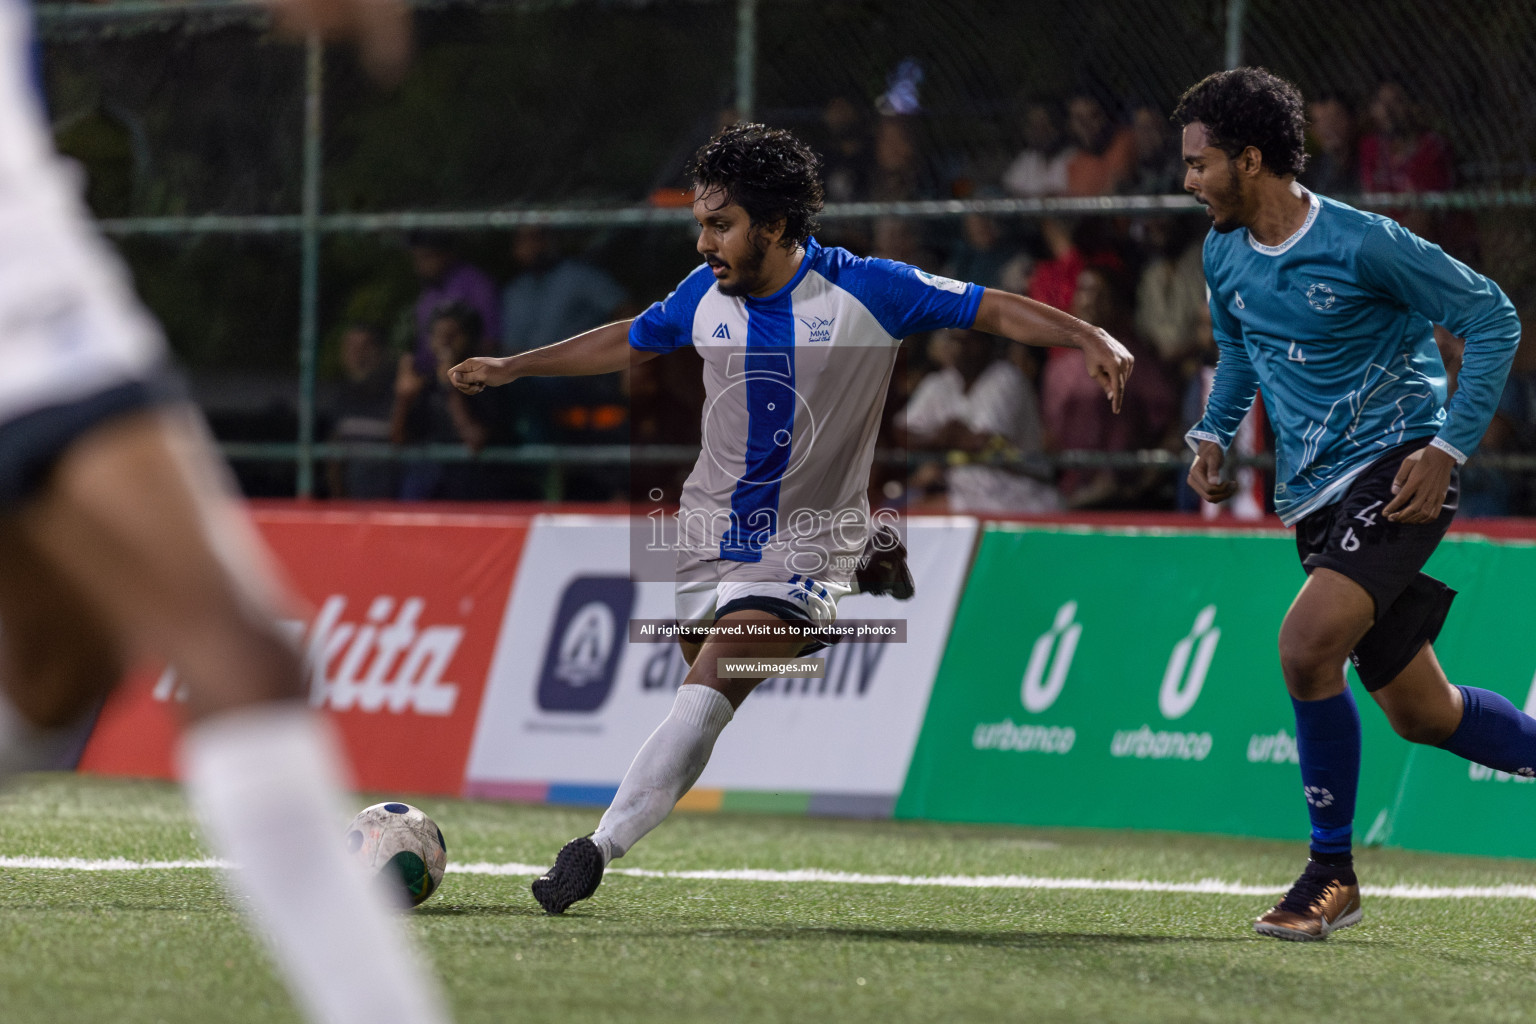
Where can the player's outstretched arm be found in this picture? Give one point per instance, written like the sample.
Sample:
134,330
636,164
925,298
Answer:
1034,323
601,350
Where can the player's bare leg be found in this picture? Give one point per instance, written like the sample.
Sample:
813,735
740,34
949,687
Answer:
48,680
1421,703
1325,622
136,527
669,762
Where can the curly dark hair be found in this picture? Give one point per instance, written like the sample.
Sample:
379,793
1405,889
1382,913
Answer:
766,171
1250,107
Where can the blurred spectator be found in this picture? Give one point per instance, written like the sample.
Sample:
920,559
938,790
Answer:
429,410
897,238
985,407
1076,414
1070,246
1054,279
446,278
1159,168
900,170
364,402
1170,297
550,299
1253,487
1041,168
982,252
845,151
1400,154
1333,169
1105,154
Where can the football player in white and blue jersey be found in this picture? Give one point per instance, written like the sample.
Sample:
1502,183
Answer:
1329,312
798,342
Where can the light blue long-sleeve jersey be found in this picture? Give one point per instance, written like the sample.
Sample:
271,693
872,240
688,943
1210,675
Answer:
1334,325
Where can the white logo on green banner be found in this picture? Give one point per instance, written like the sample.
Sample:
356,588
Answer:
1184,677
1051,660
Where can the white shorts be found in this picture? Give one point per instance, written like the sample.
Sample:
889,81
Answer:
70,326
707,589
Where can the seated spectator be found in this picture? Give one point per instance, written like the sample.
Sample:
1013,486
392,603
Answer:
1078,418
1159,168
901,171
1104,153
446,278
845,151
1170,297
364,401
983,406
550,299
982,252
429,410
1399,154
1040,169
898,238
1333,167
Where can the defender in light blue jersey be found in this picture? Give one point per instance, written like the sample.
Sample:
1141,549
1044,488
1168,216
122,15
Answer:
1329,312
798,343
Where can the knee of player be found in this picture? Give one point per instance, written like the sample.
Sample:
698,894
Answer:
1309,664
1431,726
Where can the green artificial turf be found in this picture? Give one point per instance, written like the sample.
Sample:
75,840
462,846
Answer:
165,945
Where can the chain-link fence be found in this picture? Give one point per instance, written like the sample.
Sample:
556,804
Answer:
266,195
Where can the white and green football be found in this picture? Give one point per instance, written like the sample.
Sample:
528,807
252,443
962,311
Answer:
402,846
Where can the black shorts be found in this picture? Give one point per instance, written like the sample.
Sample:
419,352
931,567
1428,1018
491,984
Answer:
1354,539
31,444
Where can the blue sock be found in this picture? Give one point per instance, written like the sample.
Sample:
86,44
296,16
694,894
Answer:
1494,733
1328,746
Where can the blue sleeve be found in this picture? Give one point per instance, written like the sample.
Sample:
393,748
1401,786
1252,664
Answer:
1445,291
668,324
1236,381
904,299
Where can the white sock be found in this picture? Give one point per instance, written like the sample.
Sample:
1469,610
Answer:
266,782
666,767
25,747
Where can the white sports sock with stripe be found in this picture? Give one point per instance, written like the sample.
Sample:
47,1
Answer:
666,767
266,782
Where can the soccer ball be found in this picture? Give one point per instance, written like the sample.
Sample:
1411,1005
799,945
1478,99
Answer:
402,846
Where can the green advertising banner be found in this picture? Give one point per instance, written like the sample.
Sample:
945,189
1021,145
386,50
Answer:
1447,804
1130,679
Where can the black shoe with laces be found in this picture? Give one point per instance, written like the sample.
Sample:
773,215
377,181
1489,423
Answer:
578,870
1324,899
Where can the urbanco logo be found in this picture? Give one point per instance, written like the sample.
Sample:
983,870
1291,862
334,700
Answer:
1188,664
1050,660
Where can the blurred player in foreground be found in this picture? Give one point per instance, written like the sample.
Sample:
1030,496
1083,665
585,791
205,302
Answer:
1329,310
798,343
119,538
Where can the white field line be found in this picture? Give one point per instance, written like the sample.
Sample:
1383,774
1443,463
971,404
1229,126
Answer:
1204,887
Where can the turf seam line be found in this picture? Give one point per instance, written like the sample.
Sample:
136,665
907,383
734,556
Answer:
1204,887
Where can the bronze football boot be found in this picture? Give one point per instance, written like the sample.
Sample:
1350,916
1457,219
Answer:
1323,900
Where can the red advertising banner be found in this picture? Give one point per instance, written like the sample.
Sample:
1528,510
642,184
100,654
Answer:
405,610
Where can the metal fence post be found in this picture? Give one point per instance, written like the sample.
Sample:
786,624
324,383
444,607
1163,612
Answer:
1237,11
309,243
746,57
